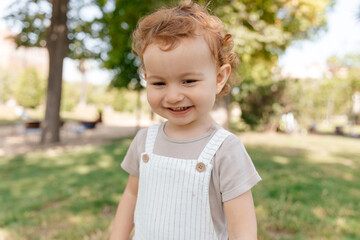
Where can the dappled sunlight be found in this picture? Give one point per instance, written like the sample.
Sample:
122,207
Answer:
355,193
340,223
106,162
84,169
76,219
85,192
62,193
319,212
348,176
328,158
34,192
281,160
306,187
260,210
66,161
310,185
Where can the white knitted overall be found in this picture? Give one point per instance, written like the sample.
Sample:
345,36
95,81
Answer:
173,194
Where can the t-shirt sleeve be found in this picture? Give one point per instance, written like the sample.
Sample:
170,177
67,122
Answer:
237,173
132,158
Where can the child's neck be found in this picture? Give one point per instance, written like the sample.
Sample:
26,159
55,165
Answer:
188,131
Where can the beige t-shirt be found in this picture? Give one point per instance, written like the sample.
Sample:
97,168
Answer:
233,171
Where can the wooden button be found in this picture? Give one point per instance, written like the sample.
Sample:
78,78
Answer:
145,158
200,167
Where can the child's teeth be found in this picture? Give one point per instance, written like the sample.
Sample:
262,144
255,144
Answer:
179,108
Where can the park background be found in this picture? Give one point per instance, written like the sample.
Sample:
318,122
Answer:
296,109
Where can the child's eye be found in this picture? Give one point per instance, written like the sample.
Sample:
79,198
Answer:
189,81
158,84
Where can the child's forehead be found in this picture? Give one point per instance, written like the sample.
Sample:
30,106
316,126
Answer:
190,53
167,45
196,44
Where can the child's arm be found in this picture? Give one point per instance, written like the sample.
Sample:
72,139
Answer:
124,218
241,218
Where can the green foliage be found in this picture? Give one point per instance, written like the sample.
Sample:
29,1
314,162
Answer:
97,94
262,30
66,29
122,100
306,100
318,99
261,104
70,96
29,90
32,18
119,24
6,80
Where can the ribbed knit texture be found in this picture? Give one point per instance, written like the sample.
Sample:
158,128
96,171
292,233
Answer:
173,197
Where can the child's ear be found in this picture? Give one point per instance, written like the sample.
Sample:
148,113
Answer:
222,77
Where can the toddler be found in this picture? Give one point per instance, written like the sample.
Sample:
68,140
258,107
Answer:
189,177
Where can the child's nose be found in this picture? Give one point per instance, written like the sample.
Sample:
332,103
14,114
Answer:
174,95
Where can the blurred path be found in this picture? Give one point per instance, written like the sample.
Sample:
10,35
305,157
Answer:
16,140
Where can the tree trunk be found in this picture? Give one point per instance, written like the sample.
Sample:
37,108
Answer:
57,45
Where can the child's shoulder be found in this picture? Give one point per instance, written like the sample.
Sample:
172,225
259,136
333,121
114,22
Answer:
231,144
231,139
140,137
142,133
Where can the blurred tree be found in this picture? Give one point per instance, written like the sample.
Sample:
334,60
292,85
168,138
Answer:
123,100
343,84
263,103
313,100
71,95
66,30
5,86
304,98
262,30
29,88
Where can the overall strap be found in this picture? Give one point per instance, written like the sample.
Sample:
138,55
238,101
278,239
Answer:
151,136
213,145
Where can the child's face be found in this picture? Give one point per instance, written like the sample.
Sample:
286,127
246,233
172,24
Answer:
182,83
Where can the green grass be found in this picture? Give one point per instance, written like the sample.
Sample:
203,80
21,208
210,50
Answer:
310,189
70,195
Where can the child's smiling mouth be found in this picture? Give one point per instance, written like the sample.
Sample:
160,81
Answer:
179,110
